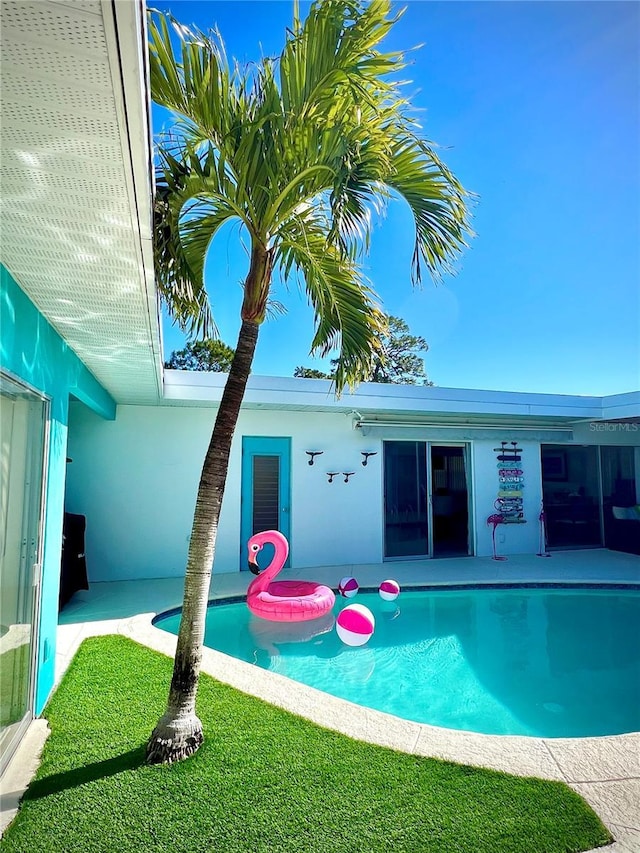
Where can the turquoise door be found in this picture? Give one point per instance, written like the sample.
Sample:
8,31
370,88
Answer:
265,492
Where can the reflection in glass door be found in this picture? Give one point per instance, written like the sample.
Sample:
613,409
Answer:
620,496
22,443
405,499
426,499
571,495
449,501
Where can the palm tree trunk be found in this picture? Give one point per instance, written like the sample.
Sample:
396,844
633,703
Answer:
178,733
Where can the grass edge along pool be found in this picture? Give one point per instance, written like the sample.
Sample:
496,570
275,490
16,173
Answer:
544,660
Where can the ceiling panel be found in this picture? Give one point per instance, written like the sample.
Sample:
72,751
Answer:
75,221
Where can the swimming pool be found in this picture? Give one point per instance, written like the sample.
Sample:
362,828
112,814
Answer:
549,662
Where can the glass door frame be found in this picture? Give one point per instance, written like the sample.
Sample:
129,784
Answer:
36,509
466,459
385,499
612,539
599,483
468,462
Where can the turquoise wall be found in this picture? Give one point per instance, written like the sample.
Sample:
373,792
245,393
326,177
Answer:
33,351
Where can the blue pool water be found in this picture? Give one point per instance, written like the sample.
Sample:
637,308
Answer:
546,662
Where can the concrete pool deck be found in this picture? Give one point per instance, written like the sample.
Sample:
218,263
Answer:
604,770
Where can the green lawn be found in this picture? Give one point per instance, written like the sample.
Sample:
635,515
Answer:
264,780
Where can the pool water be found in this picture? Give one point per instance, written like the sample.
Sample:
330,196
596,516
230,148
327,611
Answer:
545,662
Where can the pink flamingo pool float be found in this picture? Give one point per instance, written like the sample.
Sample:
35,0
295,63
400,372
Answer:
283,601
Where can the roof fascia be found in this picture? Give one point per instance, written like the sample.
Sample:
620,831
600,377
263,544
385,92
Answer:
278,392
617,406
126,34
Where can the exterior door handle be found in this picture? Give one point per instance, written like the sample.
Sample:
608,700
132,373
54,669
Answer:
285,509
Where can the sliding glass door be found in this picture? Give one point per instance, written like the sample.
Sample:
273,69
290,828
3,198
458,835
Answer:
590,494
23,417
620,497
571,495
449,502
405,499
426,499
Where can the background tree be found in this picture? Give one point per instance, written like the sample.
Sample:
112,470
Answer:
210,354
310,373
394,358
302,151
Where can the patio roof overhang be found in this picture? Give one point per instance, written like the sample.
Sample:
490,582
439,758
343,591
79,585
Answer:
76,182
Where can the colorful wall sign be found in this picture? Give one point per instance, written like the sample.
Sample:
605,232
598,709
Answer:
509,502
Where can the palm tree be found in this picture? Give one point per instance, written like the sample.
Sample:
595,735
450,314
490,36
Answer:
302,150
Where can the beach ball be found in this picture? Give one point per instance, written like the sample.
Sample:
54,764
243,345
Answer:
348,587
355,624
389,590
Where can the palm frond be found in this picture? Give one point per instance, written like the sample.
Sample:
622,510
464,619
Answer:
306,151
437,200
346,310
336,49
191,204
184,295
198,86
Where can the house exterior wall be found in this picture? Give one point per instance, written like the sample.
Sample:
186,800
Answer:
135,479
510,538
33,352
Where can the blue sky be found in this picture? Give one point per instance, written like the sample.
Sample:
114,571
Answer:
536,107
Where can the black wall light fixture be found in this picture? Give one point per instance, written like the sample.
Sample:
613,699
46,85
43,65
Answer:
348,474
312,454
366,456
331,475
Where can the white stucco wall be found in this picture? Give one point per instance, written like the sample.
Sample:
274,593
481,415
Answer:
510,538
135,480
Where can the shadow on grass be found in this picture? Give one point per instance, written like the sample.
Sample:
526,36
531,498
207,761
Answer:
88,773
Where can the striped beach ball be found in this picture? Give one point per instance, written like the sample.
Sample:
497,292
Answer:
355,624
348,587
389,590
